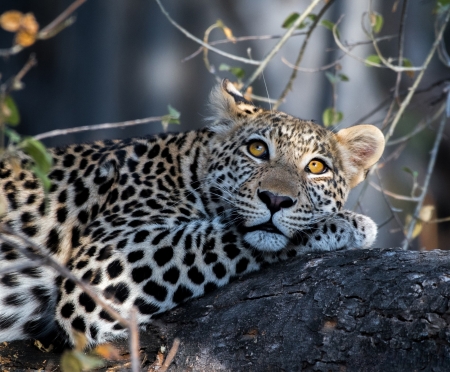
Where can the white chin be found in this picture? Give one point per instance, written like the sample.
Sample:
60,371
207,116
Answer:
265,241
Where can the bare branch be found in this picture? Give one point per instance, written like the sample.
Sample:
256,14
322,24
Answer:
426,183
122,124
413,88
293,76
401,39
392,194
134,341
306,69
170,355
199,41
280,43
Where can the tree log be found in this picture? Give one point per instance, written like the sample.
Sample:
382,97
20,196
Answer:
359,310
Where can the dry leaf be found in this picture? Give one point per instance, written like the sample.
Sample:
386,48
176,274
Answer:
28,23
248,94
24,38
79,339
108,351
10,21
426,213
228,34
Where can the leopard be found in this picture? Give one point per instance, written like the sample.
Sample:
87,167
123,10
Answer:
152,222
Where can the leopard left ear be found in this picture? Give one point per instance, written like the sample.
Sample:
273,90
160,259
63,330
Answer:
229,106
361,147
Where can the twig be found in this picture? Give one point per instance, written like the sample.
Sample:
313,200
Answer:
134,341
237,40
426,183
199,41
419,128
49,261
16,80
277,47
413,88
400,48
369,63
306,69
170,355
65,14
439,220
293,76
63,132
392,194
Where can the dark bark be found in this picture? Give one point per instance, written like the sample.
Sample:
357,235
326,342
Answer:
362,310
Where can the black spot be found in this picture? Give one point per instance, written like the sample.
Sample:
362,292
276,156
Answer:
62,197
195,275
10,280
120,291
241,266
122,244
154,151
15,299
69,286
188,242
163,255
30,230
104,315
56,174
69,159
160,237
81,192
140,236
135,256
181,294
53,241
219,270
81,264
140,149
94,331
114,269
189,259
6,321
61,214
67,310
231,250
87,276
104,253
229,237
86,301
33,272
172,275
75,240
154,289
139,274
210,258
31,199
83,216
145,307
128,192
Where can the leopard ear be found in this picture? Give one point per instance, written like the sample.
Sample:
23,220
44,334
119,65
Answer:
228,106
361,147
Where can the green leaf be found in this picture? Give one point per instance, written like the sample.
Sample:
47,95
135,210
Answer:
376,21
443,2
172,118
37,151
236,71
330,25
13,136
373,58
331,117
411,172
10,112
407,63
332,78
77,361
312,17
343,77
289,21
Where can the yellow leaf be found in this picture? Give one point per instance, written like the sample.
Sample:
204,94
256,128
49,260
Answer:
28,23
417,227
10,21
24,38
70,363
228,34
107,351
426,213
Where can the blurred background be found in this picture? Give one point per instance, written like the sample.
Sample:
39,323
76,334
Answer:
123,60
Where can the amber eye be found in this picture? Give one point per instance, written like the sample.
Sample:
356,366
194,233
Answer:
258,149
316,167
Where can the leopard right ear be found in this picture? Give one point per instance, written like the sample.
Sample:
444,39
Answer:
229,107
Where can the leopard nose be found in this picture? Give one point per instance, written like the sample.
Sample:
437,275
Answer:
275,202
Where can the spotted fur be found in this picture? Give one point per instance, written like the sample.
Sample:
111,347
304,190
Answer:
152,222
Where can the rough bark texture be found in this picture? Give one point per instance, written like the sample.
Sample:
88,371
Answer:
362,310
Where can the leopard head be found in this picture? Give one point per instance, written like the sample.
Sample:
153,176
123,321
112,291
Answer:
277,175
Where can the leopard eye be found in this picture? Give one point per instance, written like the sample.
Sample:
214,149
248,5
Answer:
258,149
316,167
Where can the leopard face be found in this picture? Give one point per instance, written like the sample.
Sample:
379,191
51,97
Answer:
277,174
